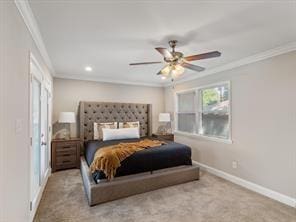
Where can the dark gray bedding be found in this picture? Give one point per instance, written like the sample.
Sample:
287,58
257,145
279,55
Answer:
169,155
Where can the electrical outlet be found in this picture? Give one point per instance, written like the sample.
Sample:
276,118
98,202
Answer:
234,164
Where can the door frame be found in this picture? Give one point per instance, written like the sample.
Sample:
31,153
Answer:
45,84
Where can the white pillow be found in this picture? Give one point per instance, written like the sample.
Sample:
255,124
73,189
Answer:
117,134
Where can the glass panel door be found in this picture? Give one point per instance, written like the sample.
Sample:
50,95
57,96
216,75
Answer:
40,101
44,160
36,126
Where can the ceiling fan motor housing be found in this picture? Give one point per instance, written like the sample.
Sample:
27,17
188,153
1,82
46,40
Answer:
176,58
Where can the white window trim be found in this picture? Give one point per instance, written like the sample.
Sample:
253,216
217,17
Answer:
198,108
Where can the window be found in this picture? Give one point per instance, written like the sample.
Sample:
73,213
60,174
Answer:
205,111
187,112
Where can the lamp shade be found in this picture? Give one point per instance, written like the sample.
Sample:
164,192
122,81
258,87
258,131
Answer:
164,117
67,117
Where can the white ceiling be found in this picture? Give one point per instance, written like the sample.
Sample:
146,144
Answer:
108,35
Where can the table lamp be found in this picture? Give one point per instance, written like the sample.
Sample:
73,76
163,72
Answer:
164,118
68,118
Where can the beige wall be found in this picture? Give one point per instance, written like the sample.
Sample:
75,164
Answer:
15,46
68,93
263,124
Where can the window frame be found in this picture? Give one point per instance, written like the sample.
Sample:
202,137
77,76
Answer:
198,112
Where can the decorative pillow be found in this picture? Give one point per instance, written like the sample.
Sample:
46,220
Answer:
123,133
129,125
98,134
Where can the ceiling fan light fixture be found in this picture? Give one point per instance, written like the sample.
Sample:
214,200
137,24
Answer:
166,71
177,70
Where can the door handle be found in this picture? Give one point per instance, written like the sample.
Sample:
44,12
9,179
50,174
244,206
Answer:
43,143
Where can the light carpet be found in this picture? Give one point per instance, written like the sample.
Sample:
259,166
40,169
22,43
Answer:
207,200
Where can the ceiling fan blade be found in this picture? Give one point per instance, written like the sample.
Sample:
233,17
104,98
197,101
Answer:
193,67
165,52
143,63
203,56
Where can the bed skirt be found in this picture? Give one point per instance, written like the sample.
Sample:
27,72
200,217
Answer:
125,186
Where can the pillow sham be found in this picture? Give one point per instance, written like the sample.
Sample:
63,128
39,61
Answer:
98,134
123,133
129,125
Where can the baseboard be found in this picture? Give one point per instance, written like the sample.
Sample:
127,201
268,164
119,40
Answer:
34,210
251,186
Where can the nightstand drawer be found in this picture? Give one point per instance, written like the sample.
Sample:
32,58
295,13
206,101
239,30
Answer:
66,149
66,159
66,152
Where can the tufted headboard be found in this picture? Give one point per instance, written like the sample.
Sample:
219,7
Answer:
90,112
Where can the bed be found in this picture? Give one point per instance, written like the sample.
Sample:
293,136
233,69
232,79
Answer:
146,170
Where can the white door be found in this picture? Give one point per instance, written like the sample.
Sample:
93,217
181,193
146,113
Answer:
35,137
40,149
44,152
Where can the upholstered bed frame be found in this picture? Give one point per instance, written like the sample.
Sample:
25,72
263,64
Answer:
90,112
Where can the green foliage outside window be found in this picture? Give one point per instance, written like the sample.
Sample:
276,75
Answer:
214,95
210,96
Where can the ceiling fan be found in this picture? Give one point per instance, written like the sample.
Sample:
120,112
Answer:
176,62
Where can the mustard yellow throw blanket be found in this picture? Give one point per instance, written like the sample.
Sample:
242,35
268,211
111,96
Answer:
108,159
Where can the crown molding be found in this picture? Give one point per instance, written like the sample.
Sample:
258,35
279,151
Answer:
30,21
106,80
245,61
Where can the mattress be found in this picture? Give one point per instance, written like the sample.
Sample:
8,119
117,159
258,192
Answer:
169,155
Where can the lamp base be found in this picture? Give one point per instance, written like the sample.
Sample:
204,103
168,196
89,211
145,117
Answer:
67,136
164,130
63,134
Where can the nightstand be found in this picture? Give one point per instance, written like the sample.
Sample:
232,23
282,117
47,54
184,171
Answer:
169,137
65,154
